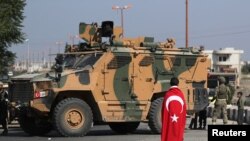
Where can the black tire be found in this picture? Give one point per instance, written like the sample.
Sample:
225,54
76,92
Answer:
34,126
154,116
124,127
72,117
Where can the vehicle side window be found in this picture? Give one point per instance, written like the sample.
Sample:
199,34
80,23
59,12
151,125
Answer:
176,61
146,61
190,61
89,59
119,61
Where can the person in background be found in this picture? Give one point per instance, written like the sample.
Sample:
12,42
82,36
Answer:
240,104
3,109
203,118
193,122
220,105
173,113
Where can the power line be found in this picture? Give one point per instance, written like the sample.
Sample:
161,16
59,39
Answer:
217,35
220,34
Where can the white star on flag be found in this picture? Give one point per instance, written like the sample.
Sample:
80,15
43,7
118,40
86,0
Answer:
174,118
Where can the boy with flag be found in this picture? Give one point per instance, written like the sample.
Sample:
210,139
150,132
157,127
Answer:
173,113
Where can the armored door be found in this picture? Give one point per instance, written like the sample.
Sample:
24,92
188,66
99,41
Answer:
117,80
143,77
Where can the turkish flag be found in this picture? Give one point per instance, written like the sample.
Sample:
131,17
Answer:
173,115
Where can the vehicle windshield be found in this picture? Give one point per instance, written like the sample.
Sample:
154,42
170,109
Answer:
69,61
86,60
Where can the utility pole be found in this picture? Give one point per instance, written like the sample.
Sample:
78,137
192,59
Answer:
122,20
186,23
28,59
38,60
50,58
33,61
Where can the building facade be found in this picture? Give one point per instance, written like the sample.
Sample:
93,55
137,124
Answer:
226,60
20,66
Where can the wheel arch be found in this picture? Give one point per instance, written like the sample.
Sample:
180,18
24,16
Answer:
157,95
154,97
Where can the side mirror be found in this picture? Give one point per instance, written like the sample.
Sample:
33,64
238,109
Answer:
58,67
59,59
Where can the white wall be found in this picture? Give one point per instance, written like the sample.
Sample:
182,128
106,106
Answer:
233,61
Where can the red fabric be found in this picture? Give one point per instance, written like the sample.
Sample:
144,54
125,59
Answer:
173,118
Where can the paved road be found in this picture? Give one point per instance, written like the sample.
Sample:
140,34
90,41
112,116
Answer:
104,133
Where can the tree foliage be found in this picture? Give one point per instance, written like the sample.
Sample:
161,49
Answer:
11,18
245,69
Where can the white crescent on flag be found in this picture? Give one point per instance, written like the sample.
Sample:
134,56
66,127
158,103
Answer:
176,98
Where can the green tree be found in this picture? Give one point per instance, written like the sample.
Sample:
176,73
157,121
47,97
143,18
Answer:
11,18
245,69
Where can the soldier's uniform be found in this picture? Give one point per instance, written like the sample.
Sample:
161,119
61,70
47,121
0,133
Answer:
240,104
220,105
3,109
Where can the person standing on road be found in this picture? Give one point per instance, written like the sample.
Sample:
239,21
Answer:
193,122
203,118
173,113
240,104
4,109
221,96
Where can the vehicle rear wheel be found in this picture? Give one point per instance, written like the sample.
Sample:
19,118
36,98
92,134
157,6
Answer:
155,116
72,117
32,125
124,127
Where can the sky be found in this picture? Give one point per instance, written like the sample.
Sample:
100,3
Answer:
215,24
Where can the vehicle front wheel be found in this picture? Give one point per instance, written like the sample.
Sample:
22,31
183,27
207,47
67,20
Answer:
155,116
72,117
34,126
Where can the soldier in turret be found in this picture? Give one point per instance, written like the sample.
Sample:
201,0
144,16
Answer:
221,96
3,109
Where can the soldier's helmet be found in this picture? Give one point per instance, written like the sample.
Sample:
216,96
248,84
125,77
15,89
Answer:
222,79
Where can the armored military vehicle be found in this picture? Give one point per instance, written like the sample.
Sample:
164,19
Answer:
108,79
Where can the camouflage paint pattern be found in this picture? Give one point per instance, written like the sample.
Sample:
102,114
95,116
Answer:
126,78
